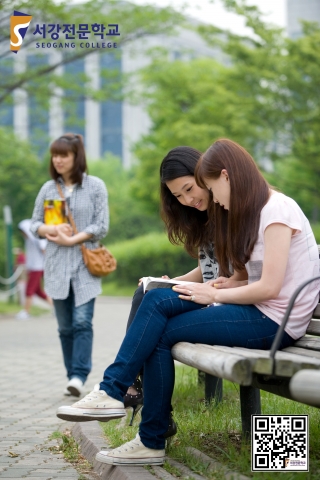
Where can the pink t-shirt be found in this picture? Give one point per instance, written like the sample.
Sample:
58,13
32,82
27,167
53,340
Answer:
303,264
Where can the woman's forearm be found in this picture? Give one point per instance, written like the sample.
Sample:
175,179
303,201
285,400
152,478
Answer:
80,237
44,229
256,292
194,276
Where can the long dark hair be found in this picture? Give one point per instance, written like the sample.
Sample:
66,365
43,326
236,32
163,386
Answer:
236,229
70,142
185,225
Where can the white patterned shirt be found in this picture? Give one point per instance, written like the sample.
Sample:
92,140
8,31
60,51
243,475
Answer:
89,207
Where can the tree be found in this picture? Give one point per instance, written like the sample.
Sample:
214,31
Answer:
128,216
21,177
283,75
191,103
265,96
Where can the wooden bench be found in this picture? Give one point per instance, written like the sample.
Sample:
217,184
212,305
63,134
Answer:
293,373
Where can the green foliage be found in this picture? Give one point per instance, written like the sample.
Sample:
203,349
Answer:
128,216
152,255
282,76
21,177
189,109
265,96
2,249
316,231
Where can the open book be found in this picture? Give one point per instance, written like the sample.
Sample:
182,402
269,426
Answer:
153,282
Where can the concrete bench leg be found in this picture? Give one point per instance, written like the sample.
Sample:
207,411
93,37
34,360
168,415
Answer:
250,405
213,388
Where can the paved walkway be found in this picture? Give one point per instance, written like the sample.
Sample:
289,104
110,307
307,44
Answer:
32,379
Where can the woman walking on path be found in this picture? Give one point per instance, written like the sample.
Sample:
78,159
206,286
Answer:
67,280
257,229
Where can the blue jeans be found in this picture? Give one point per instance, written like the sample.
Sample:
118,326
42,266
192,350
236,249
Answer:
76,335
162,320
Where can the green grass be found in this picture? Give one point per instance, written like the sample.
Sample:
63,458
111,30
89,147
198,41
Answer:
8,308
113,289
67,445
216,429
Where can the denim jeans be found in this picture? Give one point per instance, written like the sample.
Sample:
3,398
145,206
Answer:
162,320
136,301
76,335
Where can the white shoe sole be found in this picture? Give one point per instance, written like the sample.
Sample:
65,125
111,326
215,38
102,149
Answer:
76,392
86,414
100,457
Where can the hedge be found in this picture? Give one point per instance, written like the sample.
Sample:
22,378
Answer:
148,255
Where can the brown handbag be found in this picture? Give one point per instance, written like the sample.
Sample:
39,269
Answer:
100,261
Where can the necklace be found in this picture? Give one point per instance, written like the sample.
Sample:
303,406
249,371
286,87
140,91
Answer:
70,188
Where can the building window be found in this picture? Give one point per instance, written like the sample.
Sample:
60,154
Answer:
111,111
73,103
6,108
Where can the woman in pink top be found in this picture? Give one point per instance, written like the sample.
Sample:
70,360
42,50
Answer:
265,237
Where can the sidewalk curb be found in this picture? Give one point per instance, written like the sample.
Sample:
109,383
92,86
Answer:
91,440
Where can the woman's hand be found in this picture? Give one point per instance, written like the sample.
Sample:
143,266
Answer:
61,238
202,293
163,276
224,282
64,228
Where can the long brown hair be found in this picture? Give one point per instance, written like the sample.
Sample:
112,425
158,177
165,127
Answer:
70,142
185,225
236,229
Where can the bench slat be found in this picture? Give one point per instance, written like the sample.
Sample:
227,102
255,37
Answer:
314,328
305,387
302,351
311,343
231,367
316,313
287,364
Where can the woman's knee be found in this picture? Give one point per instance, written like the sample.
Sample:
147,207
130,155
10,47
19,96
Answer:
83,326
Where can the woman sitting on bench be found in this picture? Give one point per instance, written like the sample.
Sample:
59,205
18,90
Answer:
184,212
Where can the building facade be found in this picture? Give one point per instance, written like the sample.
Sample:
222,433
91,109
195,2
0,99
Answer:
107,126
298,10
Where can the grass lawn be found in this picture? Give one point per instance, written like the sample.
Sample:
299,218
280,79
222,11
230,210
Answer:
112,289
8,308
216,429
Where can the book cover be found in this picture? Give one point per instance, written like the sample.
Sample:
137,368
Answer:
55,212
154,282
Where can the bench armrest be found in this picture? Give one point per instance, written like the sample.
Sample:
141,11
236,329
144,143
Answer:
278,337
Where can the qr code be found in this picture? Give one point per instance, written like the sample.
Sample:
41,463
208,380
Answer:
280,442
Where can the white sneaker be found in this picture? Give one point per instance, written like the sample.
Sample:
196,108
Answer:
97,405
66,393
75,386
132,453
22,315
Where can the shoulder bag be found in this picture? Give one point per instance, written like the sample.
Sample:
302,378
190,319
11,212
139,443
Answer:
100,261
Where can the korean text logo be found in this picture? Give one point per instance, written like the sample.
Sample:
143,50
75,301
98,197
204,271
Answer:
19,23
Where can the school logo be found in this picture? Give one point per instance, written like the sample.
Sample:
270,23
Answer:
19,23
